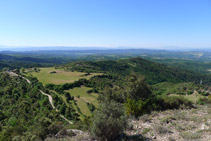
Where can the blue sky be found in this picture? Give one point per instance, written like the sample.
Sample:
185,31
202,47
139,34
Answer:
106,23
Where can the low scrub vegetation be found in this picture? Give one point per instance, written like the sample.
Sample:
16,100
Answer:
109,121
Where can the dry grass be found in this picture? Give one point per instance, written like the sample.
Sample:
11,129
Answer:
161,129
172,125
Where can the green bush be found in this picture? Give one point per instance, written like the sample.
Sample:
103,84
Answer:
205,93
91,107
12,121
190,92
181,93
52,72
204,100
134,107
209,98
173,102
108,121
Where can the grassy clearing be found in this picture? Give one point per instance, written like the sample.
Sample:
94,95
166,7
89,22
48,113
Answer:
58,76
68,103
82,98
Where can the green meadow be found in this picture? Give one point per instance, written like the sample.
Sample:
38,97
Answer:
58,76
82,98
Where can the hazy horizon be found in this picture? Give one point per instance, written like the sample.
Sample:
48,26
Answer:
81,48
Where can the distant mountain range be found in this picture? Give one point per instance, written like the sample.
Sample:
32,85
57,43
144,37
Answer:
51,48
30,48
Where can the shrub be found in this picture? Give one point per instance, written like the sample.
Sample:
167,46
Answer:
161,129
181,93
12,121
190,136
134,107
167,119
146,130
173,102
91,107
204,100
172,139
137,88
205,93
55,127
2,116
109,121
209,98
68,96
52,72
78,96
190,92
145,118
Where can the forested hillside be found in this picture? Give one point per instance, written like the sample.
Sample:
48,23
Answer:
18,61
152,71
25,114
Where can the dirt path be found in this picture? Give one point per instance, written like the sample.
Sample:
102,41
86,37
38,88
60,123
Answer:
50,99
27,80
51,102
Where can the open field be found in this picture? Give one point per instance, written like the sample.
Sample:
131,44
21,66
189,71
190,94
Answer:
82,98
58,76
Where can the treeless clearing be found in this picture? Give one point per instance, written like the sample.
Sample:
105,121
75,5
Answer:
59,76
84,98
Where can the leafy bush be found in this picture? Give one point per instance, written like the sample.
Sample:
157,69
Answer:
91,107
209,98
134,108
136,88
204,100
205,93
146,130
173,102
190,92
52,72
109,121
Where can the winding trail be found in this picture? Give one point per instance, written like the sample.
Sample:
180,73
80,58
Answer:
50,99
51,102
49,96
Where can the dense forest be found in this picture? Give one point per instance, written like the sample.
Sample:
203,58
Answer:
25,113
152,71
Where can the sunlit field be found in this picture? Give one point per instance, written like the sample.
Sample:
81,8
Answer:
58,76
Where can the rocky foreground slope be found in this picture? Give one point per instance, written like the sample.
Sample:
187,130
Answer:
173,125
170,125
